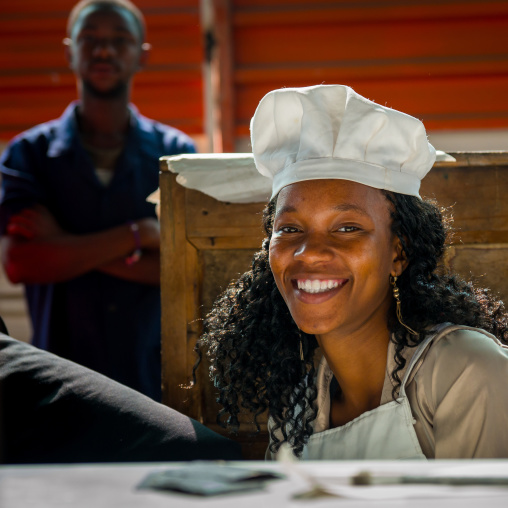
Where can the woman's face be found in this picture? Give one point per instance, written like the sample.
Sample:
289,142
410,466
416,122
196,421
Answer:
331,254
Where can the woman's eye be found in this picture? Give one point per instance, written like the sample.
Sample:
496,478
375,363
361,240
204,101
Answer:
348,229
287,229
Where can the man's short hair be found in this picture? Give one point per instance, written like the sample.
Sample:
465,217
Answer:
107,4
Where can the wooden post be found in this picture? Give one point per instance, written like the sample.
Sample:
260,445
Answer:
219,89
178,298
223,23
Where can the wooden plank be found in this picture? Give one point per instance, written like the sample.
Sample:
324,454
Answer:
226,230
194,284
174,272
226,243
476,159
477,199
479,206
207,217
485,264
219,268
477,237
222,66
221,242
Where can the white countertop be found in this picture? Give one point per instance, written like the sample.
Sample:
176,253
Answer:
111,486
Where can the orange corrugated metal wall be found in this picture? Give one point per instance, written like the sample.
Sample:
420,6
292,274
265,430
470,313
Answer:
36,84
444,61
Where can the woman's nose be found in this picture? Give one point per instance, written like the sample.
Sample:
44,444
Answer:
314,249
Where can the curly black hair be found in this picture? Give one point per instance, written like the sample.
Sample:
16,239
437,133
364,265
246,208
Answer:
253,343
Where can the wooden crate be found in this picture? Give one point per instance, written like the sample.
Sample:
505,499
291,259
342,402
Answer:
206,243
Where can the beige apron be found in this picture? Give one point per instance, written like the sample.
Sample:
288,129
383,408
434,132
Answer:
386,432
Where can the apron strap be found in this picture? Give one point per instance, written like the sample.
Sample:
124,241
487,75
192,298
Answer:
438,331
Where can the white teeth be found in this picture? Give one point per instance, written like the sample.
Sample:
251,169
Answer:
317,286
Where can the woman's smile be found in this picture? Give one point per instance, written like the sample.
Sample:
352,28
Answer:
316,291
319,286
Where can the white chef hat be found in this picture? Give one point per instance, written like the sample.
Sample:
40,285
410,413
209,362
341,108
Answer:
330,131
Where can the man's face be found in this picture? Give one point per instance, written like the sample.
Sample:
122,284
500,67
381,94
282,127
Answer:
106,51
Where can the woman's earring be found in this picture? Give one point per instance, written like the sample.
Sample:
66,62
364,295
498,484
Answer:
302,358
396,295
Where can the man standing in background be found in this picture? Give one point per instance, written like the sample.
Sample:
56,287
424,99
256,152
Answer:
76,227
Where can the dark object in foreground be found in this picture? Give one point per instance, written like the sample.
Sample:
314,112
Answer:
55,411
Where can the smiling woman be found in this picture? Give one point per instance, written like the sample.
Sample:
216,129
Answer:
338,234
412,364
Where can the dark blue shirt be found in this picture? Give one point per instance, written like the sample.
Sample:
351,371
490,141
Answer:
105,323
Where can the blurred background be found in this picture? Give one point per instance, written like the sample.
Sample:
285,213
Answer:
443,61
